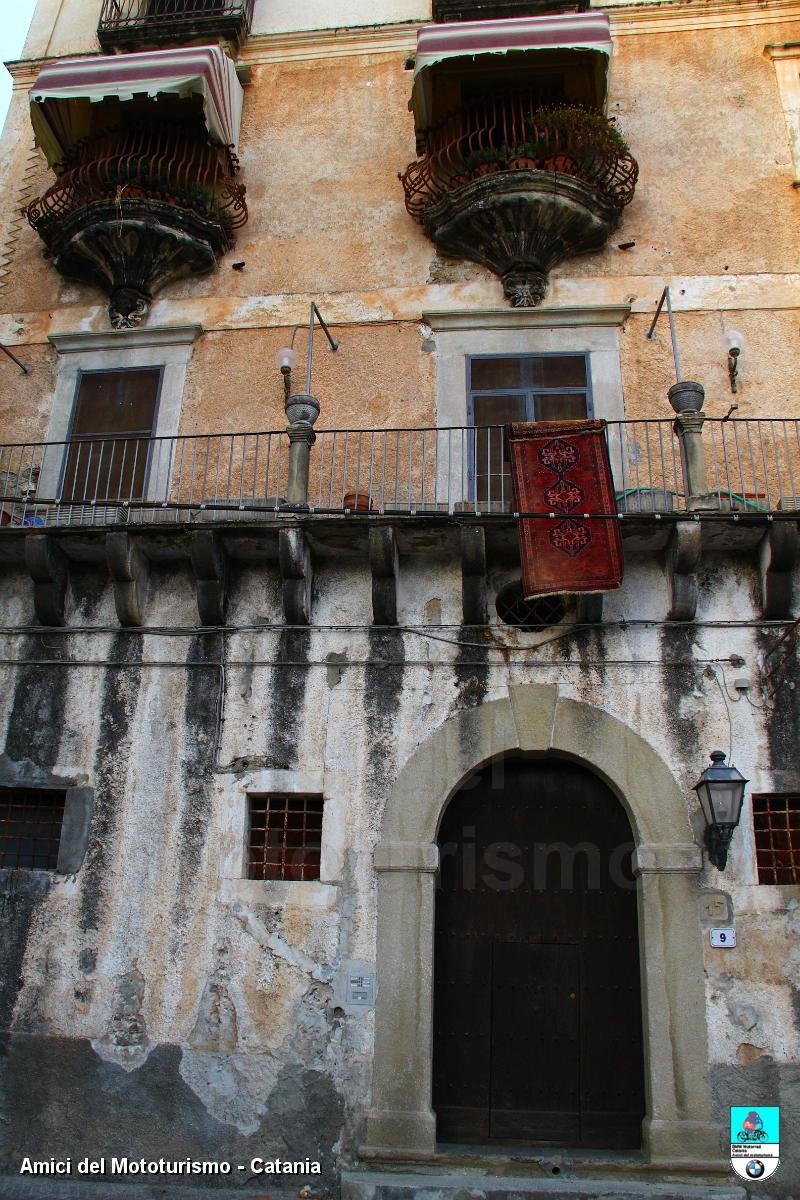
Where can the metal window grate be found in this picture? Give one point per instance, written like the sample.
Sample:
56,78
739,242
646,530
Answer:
30,827
776,822
533,615
285,837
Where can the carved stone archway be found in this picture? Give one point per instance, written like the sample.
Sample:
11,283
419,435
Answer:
534,718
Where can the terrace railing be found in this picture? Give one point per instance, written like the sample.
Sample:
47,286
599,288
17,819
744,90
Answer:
168,162
509,132
129,23
753,467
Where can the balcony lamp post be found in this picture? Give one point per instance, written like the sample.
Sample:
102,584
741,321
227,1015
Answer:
720,790
686,397
302,410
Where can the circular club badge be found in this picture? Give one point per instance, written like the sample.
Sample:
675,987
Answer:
755,1140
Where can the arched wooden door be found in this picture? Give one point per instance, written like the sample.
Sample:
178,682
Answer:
537,1001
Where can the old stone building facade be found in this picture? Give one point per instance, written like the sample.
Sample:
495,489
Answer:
317,840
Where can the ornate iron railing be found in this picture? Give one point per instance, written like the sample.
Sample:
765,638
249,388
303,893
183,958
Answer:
753,470
509,132
128,22
172,163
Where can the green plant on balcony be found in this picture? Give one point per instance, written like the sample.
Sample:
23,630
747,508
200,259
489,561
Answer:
571,139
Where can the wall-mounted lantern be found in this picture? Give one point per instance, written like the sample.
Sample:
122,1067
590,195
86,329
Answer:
733,342
720,790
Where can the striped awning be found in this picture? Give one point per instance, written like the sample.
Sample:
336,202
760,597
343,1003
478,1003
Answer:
585,31
63,97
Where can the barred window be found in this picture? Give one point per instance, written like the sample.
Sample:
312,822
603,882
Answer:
285,837
30,827
776,823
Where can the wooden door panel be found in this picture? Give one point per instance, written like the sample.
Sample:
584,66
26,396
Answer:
461,1034
516,1057
535,1041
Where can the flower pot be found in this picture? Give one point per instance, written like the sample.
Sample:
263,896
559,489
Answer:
687,396
560,162
357,501
302,408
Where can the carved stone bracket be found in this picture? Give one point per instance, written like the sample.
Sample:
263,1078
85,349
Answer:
296,572
473,575
47,567
132,250
210,565
520,224
383,564
683,562
777,556
129,570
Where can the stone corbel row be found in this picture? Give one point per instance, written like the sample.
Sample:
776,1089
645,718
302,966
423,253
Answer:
777,558
129,569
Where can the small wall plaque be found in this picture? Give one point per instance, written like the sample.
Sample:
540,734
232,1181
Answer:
354,987
361,988
722,939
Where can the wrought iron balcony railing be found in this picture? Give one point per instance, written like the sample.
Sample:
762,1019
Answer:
508,133
132,23
753,470
172,163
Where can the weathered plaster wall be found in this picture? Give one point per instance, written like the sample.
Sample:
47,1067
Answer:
159,977
324,136
377,377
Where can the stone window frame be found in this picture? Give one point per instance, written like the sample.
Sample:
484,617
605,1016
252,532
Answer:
169,347
307,893
455,336
78,809
786,60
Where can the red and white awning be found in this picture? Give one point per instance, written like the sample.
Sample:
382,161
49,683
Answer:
63,95
587,31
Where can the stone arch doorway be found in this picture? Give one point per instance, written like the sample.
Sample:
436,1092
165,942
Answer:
534,718
537,1032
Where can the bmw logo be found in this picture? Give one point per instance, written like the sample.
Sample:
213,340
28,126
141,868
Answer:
755,1168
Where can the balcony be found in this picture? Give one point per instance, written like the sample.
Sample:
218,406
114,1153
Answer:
752,476
133,24
519,188
477,10
140,206
213,499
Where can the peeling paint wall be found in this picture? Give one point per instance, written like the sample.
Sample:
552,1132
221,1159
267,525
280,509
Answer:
159,983
326,130
201,1003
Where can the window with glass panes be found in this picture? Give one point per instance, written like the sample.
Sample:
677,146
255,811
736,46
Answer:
112,424
523,387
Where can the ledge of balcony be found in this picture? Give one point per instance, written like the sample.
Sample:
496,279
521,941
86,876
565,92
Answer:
519,189
137,208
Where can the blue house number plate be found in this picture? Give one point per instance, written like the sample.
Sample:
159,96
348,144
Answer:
723,938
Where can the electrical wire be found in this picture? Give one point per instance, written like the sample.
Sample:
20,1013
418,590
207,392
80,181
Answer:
722,691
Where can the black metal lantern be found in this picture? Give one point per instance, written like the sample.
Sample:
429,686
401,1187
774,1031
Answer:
720,790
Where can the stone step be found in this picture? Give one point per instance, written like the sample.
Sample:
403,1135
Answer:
387,1185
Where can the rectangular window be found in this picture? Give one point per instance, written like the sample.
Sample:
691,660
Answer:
30,827
524,387
776,822
285,837
112,424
